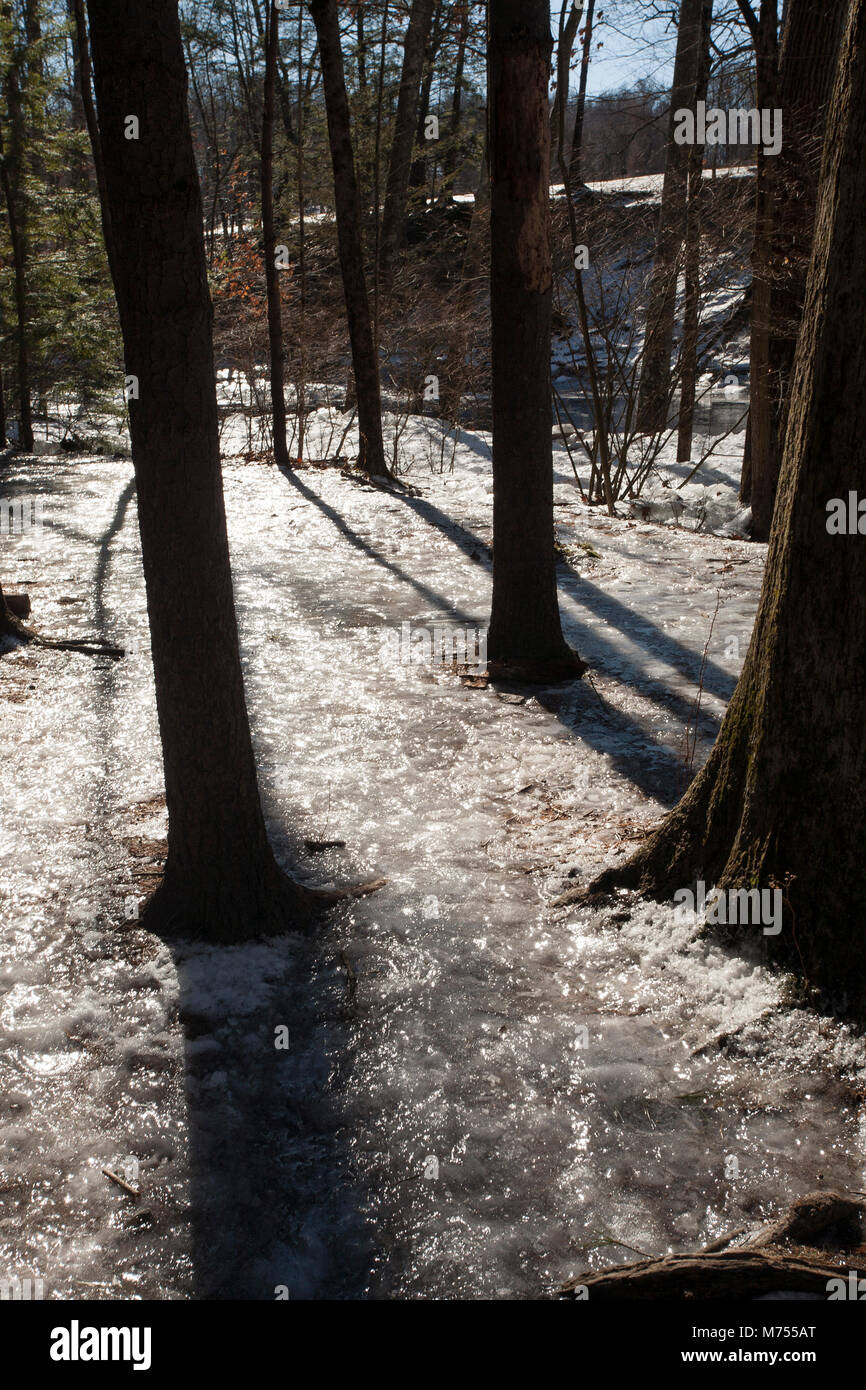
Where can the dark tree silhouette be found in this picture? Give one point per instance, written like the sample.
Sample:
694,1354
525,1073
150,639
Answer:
221,879
525,637
781,799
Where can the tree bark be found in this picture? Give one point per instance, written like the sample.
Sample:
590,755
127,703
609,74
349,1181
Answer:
221,880
365,364
11,174
564,45
810,47
692,302
812,1243
765,40
400,160
576,159
85,78
781,799
654,395
272,275
525,637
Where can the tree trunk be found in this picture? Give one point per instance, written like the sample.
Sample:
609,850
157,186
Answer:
692,304
221,879
576,160
400,161
764,31
655,380
810,47
10,626
564,45
454,374
781,799
418,167
11,174
85,78
365,365
272,274
450,161
525,637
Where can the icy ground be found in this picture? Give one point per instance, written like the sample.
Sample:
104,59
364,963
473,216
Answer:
481,1095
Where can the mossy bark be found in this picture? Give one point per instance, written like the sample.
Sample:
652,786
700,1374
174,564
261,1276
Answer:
781,799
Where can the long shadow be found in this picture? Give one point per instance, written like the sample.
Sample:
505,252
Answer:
264,1204
655,769
616,614
431,596
275,1211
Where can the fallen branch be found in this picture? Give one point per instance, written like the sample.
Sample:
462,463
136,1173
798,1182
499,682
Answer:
814,1241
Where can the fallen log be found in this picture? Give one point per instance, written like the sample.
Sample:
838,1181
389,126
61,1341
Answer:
819,1238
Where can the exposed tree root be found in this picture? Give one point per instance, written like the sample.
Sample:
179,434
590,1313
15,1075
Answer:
819,1238
268,905
10,626
549,671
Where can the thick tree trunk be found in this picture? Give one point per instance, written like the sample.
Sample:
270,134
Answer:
810,48
654,396
221,880
400,161
525,636
272,274
348,212
692,302
781,799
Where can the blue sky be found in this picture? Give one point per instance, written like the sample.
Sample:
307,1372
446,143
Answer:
633,47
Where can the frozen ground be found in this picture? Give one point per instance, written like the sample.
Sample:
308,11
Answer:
480,1095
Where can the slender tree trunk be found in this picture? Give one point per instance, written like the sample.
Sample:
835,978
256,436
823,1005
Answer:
450,161
576,161
525,637
812,33
565,43
781,800
692,305
477,239
397,184
85,76
765,39
221,879
272,274
75,102
418,168
2,411
348,211
11,175
655,380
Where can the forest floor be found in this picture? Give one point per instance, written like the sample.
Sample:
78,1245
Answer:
481,1095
